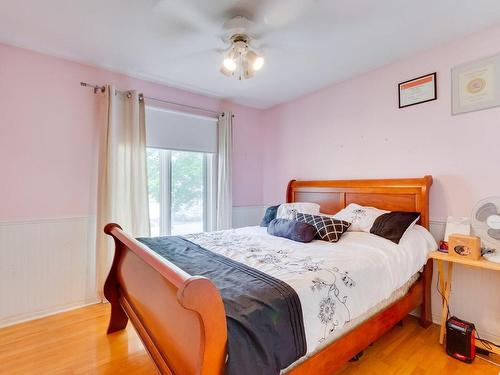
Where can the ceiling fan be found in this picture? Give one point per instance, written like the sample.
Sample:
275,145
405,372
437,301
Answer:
242,29
240,60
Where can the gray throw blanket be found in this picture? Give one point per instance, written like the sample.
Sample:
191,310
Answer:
264,315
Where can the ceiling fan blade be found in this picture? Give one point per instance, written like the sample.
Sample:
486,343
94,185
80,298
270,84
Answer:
291,40
280,13
278,53
193,55
191,42
188,15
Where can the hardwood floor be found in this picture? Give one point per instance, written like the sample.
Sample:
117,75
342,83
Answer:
75,342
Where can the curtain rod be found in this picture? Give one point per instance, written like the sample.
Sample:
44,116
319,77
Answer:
98,88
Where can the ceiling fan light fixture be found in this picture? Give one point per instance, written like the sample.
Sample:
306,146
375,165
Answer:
254,61
229,64
258,63
246,70
226,72
241,60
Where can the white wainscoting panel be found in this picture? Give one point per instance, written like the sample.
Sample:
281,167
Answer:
246,216
46,266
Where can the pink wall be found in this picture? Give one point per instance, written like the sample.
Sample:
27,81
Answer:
354,129
48,134
49,129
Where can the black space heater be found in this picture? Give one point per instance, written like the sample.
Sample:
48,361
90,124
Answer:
460,339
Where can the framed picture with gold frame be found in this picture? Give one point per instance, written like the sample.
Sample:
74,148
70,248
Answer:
476,85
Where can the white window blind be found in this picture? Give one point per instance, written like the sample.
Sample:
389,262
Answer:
171,130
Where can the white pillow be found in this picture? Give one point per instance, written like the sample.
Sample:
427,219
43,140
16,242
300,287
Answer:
360,217
288,210
412,225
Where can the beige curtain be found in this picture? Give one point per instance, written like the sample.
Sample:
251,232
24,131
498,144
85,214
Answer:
224,171
122,187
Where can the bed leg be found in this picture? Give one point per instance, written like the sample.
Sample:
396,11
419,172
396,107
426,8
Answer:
357,357
425,311
119,318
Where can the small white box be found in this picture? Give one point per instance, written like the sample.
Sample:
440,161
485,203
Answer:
457,225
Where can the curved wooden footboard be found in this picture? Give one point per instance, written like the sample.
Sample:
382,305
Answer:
180,318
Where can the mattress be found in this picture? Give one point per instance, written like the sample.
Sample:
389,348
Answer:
396,295
337,283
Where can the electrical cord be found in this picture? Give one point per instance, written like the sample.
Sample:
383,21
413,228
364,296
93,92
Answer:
487,344
443,297
488,360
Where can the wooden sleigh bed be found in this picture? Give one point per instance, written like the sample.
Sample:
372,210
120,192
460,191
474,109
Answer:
180,318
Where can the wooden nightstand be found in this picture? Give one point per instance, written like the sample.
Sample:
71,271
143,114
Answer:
445,285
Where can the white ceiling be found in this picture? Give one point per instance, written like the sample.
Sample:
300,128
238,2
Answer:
308,44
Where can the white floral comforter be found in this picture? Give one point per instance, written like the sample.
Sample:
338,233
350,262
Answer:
336,282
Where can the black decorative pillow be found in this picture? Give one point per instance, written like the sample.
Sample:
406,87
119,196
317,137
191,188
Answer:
269,215
393,225
327,228
291,229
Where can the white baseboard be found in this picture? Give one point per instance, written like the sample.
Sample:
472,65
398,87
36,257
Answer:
47,312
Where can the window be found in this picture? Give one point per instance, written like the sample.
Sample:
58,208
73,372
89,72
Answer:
181,194
181,178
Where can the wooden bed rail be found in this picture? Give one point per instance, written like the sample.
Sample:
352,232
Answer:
179,318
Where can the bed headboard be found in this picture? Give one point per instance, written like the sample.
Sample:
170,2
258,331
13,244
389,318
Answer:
408,194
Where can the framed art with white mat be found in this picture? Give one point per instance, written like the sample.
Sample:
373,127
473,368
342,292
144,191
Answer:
476,85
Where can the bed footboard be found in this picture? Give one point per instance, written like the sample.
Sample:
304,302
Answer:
180,318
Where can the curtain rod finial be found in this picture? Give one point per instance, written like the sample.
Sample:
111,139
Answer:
95,87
